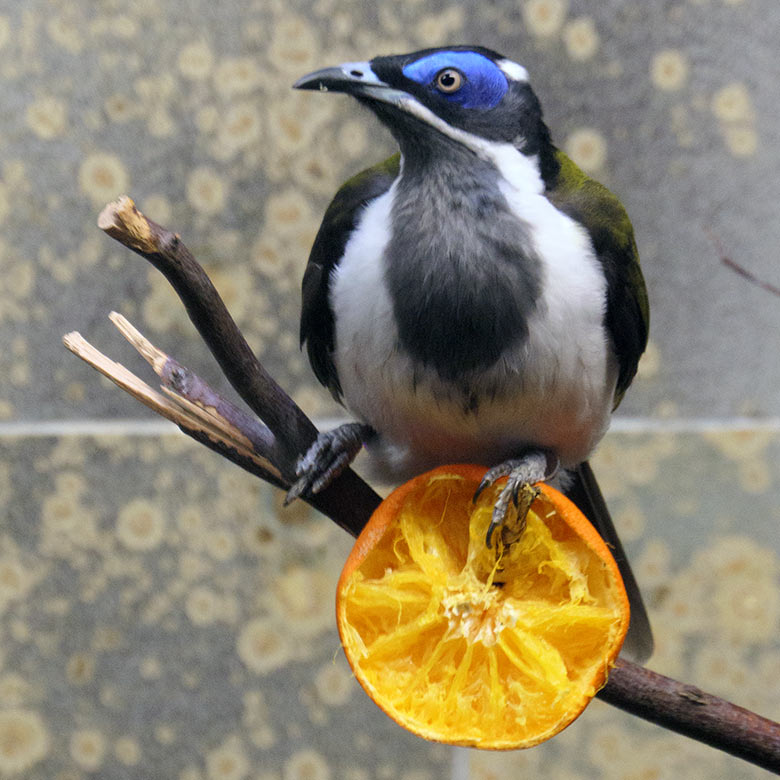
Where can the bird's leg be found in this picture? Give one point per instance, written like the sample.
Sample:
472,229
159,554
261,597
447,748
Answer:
534,465
330,454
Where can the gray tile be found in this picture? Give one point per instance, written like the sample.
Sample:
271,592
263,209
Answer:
159,612
191,113
131,567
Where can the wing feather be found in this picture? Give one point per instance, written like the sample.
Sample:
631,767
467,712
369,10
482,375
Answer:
600,212
341,218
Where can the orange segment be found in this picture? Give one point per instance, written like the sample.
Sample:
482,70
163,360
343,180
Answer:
490,647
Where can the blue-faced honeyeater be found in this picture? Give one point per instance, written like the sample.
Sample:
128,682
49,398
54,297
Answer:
475,297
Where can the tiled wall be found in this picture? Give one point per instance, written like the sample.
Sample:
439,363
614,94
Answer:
160,614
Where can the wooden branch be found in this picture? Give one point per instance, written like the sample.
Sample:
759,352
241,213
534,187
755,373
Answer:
205,425
739,269
349,501
750,276
690,711
185,384
166,252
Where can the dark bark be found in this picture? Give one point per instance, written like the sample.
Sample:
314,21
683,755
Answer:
349,501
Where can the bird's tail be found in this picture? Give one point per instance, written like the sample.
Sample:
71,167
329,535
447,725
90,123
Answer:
584,491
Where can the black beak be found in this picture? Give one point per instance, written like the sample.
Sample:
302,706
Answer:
352,78
342,78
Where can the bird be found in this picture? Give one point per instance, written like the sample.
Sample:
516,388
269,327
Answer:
475,297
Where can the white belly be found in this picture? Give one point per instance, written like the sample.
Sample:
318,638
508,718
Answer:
555,390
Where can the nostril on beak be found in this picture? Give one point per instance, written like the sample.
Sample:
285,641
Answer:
358,73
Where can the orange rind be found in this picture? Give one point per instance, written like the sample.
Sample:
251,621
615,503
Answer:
492,647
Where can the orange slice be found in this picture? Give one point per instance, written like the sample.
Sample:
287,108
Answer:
496,647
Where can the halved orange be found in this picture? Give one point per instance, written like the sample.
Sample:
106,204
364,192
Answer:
498,647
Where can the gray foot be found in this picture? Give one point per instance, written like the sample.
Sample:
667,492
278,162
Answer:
523,473
330,454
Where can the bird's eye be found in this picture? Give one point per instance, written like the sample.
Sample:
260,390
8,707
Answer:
448,80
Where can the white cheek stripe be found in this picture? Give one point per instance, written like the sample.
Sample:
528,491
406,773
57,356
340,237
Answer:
415,108
520,170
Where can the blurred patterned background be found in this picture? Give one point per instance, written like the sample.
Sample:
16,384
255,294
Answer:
160,615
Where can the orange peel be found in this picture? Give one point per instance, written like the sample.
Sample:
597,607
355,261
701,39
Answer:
496,648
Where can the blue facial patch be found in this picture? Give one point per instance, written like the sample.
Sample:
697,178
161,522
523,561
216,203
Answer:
484,83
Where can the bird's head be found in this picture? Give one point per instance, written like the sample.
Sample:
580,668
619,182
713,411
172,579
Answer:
467,95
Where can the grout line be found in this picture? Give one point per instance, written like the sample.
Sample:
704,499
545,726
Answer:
114,427
694,424
157,427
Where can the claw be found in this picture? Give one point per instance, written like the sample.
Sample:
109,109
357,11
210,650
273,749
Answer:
494,525
522,496
493,475
516,487
482,485
330,454
296,491
534,466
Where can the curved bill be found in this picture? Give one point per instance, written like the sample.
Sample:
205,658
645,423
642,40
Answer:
351,78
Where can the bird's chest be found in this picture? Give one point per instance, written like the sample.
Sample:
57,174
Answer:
466,336
460,271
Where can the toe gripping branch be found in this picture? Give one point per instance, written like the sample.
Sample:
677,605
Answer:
327,458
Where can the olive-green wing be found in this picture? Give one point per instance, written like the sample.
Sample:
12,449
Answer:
603,216
317,323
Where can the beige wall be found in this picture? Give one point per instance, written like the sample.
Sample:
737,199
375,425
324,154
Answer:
129,653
